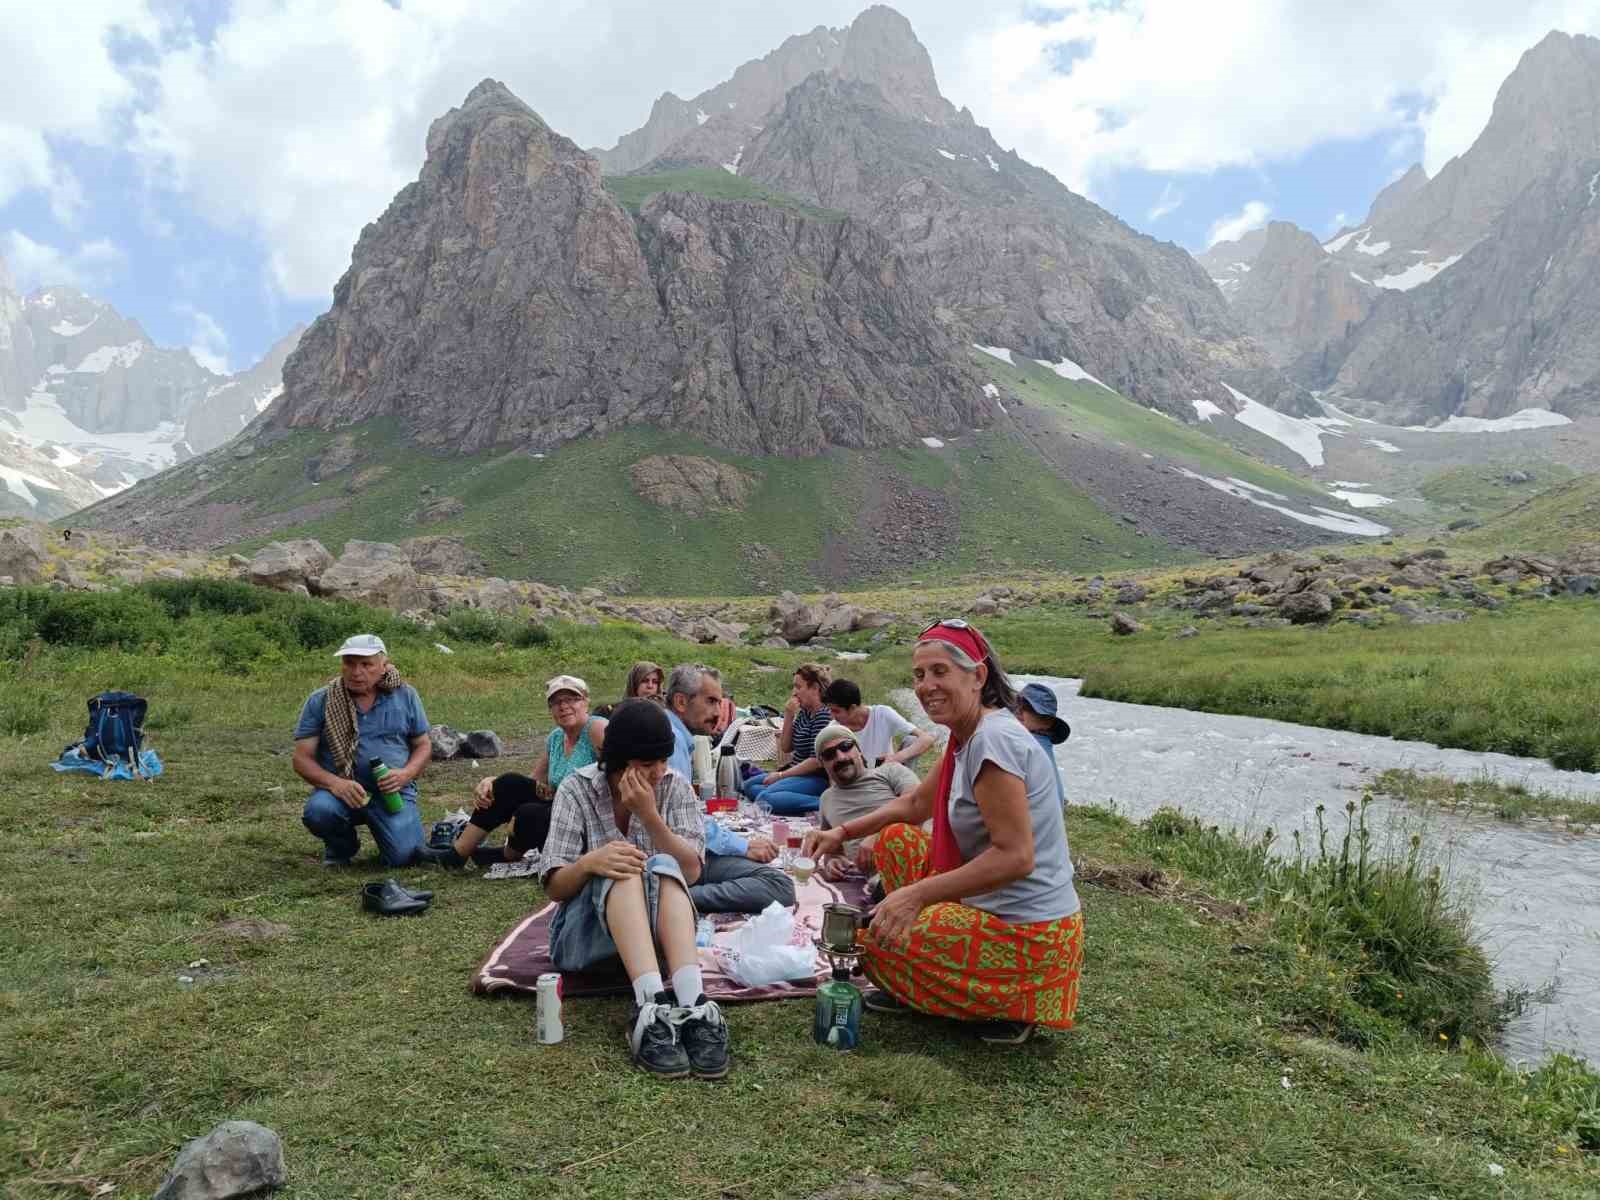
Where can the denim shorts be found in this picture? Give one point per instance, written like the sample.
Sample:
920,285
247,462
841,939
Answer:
579,936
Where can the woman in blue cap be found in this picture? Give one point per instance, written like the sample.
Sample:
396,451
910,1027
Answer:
1036,709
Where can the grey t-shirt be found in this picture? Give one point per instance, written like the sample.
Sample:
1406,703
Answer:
1047,893
871,792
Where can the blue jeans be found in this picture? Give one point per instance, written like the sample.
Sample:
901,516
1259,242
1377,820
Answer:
733,883
399,835
579,935
792,796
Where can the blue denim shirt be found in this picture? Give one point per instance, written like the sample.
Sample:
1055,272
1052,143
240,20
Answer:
385,731
718,839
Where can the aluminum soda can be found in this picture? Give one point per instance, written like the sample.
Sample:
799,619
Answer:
547,1017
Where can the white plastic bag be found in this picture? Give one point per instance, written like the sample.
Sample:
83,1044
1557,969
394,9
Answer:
761,953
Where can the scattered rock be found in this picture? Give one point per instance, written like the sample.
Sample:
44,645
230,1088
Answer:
709,630
1123,625
796,621
237,1158
335,457
22,553
691,484
480,743
446,742
435,555
1188,631
1306,608
284,566
1582,585
373,573
440,509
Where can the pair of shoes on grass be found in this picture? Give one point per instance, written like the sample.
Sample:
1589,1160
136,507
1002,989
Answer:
389,899
672,1041
998,1033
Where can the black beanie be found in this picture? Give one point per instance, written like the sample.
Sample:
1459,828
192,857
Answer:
637,729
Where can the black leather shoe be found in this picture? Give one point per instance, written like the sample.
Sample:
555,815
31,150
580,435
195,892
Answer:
415,894
389,899
440,857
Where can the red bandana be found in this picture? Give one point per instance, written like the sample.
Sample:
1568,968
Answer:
946,853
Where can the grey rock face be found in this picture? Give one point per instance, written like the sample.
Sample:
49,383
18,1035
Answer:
690,483
1307,607
237,1158
283,566
1297,299
376,573
226,410
1011,256
506,297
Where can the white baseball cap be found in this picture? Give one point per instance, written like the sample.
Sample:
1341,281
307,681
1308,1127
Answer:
565,683
363,644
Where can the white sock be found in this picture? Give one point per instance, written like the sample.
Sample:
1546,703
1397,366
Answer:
646,986
687,984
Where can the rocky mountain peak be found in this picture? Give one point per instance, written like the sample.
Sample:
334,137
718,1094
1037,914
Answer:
881,48
1296,298
1394,197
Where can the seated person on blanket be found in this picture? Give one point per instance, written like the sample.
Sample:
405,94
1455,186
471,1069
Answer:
795,787
624,848
735,878
368,712
981,924
525,802
875,726
854,790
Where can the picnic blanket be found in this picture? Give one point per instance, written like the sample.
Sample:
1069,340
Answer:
516,963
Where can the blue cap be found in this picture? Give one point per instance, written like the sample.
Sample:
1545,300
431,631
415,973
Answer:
1043,701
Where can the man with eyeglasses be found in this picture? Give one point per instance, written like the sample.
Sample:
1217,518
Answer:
854,789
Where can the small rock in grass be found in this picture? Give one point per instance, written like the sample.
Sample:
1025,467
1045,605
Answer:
237,1158
1123,625
481,743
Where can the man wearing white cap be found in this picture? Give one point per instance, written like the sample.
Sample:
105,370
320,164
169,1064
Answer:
366,713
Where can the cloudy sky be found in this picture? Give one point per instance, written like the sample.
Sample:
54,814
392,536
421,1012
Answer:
207,166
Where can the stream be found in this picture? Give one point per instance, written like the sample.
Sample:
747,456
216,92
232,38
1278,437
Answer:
1533,889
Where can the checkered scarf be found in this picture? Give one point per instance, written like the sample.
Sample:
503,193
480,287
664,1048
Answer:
339,719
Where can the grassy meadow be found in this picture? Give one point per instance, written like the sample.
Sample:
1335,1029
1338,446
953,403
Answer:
1223,1048
598,531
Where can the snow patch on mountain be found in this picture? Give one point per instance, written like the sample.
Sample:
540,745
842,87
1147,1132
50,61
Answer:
1527,418
1343,240
1386,447
994,166
1068,369
68,329
1361,499
1415,275
1302,436
948,155
701,116
99,361
1205,410
1374,249
17,484
1000,352
1321,518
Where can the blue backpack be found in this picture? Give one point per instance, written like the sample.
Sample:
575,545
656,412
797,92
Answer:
116,728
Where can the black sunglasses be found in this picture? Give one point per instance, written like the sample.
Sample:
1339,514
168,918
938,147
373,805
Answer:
833,751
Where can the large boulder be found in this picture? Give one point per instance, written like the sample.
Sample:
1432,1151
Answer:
496,595
1307,608
284,565
445,743
480,743
797,621
22,553
709,630
436,555
691,484
838,620
376,573
237,1158
1123,625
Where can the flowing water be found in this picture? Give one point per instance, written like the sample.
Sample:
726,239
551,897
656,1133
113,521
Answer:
1534,888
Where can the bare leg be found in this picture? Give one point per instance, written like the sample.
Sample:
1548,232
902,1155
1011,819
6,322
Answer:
629,924
675,925
469,839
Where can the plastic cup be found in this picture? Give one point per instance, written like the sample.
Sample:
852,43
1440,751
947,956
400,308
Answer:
802,868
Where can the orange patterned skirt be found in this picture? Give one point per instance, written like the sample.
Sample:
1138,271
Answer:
964,963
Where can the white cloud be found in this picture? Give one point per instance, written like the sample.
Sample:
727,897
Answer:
39,264
1338,221
208,342
1169,85
1231,228
1168,202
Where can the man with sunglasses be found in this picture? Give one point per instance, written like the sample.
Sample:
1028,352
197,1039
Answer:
855,789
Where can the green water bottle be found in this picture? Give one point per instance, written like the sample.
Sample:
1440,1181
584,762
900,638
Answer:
838,1013
393,801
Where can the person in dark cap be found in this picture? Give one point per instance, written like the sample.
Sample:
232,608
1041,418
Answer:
1036,709
626,842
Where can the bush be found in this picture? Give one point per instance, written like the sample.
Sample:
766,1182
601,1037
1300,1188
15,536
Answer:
185,597
24,711
1386,918
92,620
476,625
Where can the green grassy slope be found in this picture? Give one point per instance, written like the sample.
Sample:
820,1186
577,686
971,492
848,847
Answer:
1560,518
1482,489
573,518
1104,414
631,191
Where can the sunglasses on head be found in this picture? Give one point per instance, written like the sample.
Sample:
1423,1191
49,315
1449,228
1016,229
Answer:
957,623
831,752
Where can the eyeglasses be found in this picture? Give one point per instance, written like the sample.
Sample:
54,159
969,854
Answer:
564,700
833,751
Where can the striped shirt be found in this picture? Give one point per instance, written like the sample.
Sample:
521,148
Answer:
806,727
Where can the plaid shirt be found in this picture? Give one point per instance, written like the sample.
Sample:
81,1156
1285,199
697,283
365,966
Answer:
581,819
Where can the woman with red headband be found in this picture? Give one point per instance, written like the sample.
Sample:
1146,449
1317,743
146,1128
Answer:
981,922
